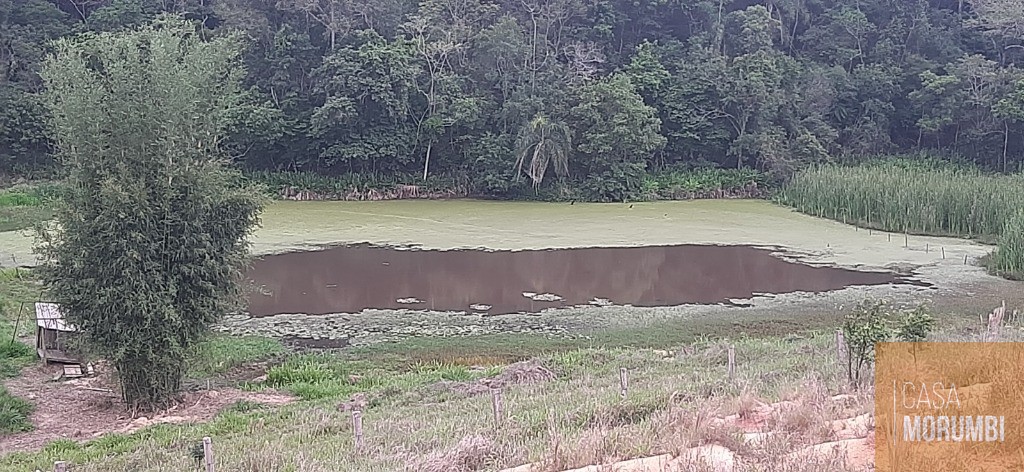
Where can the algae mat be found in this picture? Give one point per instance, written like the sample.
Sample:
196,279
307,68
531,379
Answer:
292,226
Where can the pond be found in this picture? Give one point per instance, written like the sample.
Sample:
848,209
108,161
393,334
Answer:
353,278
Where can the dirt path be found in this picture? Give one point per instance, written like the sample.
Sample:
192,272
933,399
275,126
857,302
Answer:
86,408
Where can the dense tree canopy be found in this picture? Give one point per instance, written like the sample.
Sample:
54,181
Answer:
447,86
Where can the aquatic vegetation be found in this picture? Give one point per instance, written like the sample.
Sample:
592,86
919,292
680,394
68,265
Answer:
915,199
1008,260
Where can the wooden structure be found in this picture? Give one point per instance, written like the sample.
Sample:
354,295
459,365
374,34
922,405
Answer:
53,334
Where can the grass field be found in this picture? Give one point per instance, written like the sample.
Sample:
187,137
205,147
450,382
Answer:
24,206
563,410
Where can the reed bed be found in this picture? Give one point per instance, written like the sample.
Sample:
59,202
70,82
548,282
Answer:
893,197
1008,259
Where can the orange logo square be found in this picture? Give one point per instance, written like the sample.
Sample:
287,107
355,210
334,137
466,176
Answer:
949,406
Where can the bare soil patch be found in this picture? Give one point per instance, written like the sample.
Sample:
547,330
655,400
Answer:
86,408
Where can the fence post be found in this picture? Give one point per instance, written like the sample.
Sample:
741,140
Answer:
60,466
208,454
498,407
732,362
840,346
623,382
357,427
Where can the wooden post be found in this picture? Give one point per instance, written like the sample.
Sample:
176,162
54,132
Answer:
889,237
208,454
927,248
498,407
965,259
357,427
943,252
60,466
906,240
623,382
840,346
732,362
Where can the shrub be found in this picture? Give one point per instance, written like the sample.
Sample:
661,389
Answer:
871,322
150,235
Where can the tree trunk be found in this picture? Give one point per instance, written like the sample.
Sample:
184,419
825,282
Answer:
333,32
426,160
1006,142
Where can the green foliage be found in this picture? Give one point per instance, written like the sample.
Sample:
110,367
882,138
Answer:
543,143
616,134
150,240
14,354
220,354
392,90
1008,259
355,185
865,326
683,183
915,325
316,377
908,198
872,322
14,413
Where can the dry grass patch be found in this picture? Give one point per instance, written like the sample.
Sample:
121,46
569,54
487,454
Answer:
472,453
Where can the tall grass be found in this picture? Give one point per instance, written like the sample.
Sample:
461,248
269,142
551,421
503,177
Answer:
915,199
1008,259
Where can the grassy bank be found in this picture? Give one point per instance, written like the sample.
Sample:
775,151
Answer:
24,205
418,416
670,184
563,410
917,198
16,286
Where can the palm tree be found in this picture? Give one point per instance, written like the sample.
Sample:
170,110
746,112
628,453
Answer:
546,143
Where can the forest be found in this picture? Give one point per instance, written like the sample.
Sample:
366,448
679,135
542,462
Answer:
588,95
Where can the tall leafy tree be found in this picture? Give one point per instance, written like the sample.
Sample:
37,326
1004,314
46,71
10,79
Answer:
364,120
616,134
543,143
150,238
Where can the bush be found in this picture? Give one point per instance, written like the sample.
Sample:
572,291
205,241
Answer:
158,255
871,322
915,325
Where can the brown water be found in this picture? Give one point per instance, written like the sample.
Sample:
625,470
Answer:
350,279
